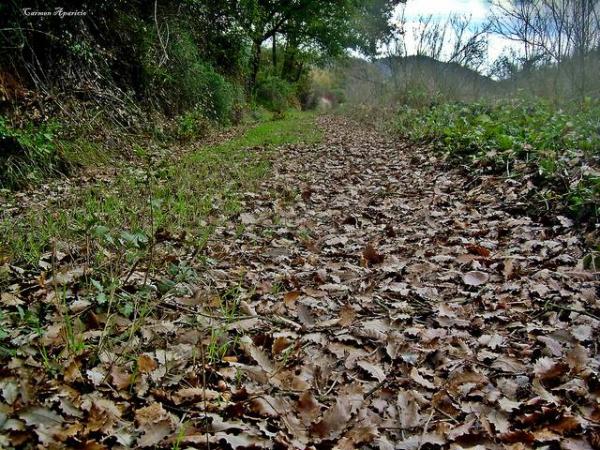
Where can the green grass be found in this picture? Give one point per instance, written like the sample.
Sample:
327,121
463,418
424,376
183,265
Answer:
28,153
172,196
115,229
558,148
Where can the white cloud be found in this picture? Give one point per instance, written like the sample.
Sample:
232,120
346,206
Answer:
478,10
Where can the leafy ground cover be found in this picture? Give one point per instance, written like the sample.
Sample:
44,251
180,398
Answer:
163,193
360,294
28,153
557,151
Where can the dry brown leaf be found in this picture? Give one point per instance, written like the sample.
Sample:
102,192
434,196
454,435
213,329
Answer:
194,394
577,358
289,298
279,345
334,420
151,414
146,364
419,379
478,250
371,256
120,378
421,440
408,410
347,315
308,408
8,299
547,369
475,278
372,369
154,433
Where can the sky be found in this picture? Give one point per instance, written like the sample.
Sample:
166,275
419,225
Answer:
441,9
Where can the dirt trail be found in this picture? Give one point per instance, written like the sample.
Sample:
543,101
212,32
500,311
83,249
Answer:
426,315
366,298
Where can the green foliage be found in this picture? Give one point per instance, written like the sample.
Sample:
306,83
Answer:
192,124
274,93
28,153
185,80
519,137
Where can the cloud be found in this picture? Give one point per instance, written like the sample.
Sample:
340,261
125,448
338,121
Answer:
440,10
477,9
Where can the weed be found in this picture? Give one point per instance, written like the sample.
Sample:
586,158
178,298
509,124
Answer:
515,138
117,225
179,437
28,153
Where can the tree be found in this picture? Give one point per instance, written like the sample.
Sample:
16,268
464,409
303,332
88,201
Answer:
554,31
323,26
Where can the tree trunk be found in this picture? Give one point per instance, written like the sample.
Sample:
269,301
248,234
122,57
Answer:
299,72
289,61
274,55
254,66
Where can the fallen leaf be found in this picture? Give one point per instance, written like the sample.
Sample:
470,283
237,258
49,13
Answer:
478,250
475,278
371,255
146,364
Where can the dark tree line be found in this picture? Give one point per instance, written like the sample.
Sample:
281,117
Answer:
119,40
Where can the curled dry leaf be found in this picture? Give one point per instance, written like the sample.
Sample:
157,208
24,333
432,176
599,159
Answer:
475,278
478,250
146,364
371,255
408,410
372,369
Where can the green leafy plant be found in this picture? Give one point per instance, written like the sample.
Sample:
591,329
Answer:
274,93
28,153
518,137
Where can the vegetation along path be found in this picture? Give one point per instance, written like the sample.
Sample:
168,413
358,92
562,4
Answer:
363,295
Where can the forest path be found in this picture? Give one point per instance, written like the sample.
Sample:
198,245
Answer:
365,296
406,308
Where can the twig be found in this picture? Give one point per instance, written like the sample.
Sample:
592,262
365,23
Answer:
278,320
166,56
425,429
578,311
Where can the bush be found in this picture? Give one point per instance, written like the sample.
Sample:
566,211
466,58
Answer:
275,94
27,154
185,81
192,124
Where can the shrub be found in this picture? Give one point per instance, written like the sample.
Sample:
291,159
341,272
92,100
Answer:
27,154
192,124
274,93
185,81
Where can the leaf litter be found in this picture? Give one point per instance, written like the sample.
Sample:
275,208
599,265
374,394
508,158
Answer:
365,297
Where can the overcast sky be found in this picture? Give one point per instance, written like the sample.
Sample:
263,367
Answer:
441,9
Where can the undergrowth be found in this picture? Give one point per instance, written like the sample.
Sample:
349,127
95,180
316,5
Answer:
558,148
133,241
28,153
184,193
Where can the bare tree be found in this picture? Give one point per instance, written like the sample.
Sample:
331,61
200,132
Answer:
430,35
469,43
456,40
552,31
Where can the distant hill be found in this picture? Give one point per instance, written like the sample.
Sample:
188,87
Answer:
414,80
420,65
